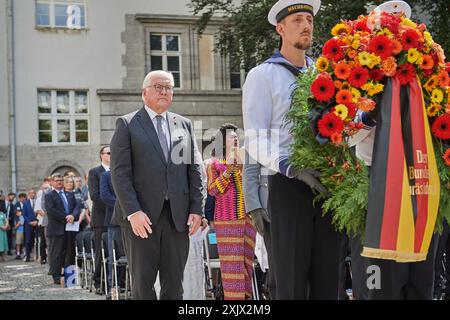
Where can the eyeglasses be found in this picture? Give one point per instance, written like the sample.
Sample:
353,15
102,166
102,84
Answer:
160,88
108,153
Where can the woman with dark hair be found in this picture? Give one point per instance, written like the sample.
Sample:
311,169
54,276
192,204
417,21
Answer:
234,230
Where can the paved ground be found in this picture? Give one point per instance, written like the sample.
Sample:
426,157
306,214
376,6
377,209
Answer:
29,281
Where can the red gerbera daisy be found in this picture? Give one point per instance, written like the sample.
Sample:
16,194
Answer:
406,73
410,39
342,70
322,87
381,46
376,75
344,97
441,127
361,25
447,157
332,50
358,77
329,124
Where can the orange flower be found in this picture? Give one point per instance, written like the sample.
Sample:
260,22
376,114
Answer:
366,104
443,78
344,97
352,54
447,157
427,62
389,66
336,138
337,84
396,46
341,70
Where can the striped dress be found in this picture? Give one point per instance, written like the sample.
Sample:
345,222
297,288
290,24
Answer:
234,230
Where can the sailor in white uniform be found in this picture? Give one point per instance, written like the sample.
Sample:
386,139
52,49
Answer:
305,244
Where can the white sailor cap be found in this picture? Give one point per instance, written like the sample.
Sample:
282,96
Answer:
283,8
394,7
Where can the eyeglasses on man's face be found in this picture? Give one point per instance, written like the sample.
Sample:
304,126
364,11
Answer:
160,88
108,153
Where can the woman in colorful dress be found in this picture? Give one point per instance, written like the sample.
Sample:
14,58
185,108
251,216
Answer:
234,230
3,238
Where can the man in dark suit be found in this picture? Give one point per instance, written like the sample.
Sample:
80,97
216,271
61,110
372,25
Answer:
31,223
156,174
98,211
61,208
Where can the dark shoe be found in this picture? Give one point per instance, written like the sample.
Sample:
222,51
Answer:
108,296
17,258
9,253
57,281
43,261
27,259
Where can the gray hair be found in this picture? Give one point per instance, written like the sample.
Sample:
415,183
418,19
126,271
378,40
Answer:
157,73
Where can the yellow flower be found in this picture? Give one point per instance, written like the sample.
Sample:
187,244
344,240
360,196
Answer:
413,55
341,111
339,28
356,94
437,96
372,89
419,60
375,89
374,60
386,32
433,109
368,59
428,38
409,23
322,64
431,83
355,44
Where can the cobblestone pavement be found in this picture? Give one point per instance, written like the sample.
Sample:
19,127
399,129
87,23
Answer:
29,281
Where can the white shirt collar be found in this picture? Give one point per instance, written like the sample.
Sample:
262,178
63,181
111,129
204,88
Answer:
105,167
153,114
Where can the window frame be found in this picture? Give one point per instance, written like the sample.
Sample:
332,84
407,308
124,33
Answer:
164,53
52,14
72,116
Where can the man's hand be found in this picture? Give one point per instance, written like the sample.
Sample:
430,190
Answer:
70,218
140,223
194,221
34,223
258,215
40,213
311,178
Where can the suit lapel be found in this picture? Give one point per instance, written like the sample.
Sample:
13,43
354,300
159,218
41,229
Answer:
172,119
147,124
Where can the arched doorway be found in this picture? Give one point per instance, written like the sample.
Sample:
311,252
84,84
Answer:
65,170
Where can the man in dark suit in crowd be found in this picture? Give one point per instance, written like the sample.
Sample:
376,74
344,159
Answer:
31,223
98,211
61,208
10,215
156,174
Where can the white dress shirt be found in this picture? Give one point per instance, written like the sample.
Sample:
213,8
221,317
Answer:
165,124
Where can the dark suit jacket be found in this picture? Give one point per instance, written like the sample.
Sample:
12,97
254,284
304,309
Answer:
56,214
98,207
141,175
108,196
28,213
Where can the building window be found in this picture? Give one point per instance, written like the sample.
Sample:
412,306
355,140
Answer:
63,116
165,54
238,72
60,14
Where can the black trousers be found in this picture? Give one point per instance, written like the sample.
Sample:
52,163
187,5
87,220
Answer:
271,283
405,281
359,266
165,250
57,252
441,277
30,236
42,243
98,231
9,235
306,247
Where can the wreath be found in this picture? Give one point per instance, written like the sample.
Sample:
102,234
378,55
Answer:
348,82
